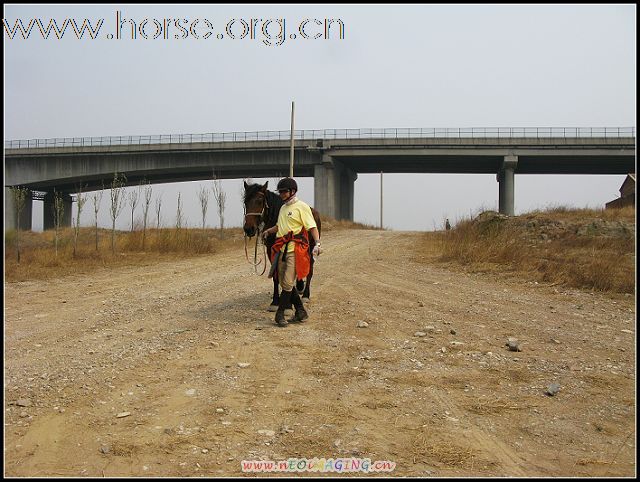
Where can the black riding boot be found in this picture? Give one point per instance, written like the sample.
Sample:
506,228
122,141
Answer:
301,314
285,300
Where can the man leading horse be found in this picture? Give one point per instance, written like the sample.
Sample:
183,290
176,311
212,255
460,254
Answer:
290,253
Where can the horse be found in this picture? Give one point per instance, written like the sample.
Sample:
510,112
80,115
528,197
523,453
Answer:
262,208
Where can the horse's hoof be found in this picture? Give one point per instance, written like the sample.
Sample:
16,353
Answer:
305,300
282,323
273,308
300,316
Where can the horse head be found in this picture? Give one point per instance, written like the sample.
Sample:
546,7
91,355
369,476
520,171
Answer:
255,207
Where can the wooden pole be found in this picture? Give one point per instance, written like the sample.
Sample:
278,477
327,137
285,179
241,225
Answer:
293,106
380,199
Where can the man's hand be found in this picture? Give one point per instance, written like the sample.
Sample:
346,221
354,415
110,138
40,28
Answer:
316,250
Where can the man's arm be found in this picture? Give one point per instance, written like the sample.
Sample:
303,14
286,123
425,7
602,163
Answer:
315,234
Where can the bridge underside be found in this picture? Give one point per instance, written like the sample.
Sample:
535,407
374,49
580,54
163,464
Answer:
334,167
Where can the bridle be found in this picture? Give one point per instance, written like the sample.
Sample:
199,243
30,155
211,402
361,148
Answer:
256,262
265,206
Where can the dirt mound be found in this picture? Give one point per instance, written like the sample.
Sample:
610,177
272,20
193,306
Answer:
545,227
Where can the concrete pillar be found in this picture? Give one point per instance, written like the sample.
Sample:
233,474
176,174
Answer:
506,186
48,219
10,214
334,189
347,188
324,188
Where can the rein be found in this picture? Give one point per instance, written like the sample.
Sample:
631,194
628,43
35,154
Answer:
263,260
256,262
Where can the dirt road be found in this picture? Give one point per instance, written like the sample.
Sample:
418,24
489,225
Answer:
175,369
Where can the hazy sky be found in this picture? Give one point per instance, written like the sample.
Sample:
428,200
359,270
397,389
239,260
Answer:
397,66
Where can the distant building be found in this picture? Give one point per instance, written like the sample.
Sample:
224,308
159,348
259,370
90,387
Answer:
627,194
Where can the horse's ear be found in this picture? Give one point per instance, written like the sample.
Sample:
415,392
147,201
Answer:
264,188
245,185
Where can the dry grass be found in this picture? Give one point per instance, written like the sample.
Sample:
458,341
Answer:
447,453
497,406
593,249
38,258
330,224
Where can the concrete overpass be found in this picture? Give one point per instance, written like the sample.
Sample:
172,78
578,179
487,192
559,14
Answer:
333,157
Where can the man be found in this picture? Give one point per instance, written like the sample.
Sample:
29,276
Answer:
291,249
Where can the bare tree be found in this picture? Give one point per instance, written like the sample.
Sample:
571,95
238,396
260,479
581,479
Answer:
19,195
179,215
220,197
203,195
80,201
117,203
158,209
58,213
145,210
96,199
134,197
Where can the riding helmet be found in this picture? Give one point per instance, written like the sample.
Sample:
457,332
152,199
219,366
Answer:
287,183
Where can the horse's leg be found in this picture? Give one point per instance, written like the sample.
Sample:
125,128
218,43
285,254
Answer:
275,300
276,296
307,289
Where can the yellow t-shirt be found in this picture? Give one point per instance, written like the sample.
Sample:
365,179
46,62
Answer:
293,217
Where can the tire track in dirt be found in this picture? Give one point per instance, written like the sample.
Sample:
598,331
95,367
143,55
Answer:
511,464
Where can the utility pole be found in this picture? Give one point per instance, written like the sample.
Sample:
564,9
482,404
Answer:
293,106
380,199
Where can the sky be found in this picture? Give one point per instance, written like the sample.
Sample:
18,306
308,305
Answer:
397,66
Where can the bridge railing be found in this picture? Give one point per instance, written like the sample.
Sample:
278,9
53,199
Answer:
382,133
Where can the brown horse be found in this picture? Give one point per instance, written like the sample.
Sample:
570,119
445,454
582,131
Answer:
262,208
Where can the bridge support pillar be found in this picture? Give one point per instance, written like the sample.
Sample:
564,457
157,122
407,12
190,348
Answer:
333,184
11,216
506,186
48,218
